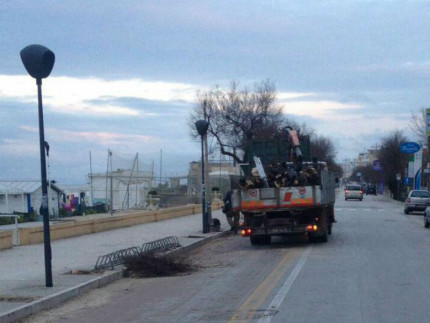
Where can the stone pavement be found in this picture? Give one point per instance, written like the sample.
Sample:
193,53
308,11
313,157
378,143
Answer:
22,271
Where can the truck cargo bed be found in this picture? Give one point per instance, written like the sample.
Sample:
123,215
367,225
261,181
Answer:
263,199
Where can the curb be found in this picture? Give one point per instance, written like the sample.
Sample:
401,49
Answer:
56,299
199,243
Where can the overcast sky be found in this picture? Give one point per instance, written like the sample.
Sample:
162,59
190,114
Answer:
127,72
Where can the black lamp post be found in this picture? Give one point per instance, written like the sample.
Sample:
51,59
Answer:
202,128
39,61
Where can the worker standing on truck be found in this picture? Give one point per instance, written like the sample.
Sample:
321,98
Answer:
232,216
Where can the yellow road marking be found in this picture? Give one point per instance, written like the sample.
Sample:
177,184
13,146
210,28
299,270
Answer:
247,310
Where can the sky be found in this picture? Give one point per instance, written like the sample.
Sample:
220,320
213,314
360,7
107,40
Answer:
127,72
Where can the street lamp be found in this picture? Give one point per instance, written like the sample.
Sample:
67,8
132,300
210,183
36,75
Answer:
202,128
39,61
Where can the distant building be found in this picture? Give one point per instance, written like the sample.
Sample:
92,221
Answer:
348,166
367,158
129,188
25,196
218,172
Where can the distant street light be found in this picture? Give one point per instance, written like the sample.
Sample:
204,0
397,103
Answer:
39,61
202,128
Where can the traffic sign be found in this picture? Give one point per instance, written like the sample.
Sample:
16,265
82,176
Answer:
377,165
410,148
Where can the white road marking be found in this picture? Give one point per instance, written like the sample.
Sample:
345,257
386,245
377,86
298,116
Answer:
285,288
365,210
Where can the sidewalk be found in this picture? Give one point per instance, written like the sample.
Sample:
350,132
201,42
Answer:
22,271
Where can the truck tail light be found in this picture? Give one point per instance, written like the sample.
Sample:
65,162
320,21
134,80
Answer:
346,191
246,232
312,227
361,192
408,200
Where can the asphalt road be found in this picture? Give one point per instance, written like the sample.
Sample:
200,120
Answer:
373,269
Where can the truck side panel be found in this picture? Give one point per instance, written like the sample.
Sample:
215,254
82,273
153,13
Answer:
328,184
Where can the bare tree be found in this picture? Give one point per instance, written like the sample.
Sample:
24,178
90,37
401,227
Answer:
236,116
324,149
393,161
368,174
417,123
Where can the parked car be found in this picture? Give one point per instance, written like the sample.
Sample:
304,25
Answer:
417,200
371,189
427,218
353,192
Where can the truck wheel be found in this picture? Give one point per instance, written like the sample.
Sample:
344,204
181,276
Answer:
329,228
426,224
266,239
258,240
255,240
324,238
406,211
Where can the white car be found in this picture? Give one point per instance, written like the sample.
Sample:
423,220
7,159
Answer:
353,191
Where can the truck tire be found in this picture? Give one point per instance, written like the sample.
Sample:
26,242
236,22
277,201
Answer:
260,240
266,239
255,240
426,224
324,237
329,228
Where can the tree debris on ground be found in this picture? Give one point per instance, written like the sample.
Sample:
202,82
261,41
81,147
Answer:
156,265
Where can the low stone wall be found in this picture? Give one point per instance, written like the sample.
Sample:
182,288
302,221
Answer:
6,239
92,224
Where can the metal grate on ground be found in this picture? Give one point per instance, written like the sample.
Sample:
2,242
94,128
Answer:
118,257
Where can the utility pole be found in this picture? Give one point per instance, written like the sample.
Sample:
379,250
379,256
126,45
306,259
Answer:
39,61
161,165
91,181
207,180
111,184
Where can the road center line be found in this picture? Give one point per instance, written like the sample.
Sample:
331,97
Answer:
246,312
283,291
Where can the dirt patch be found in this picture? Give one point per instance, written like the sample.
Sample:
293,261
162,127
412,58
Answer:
84,272
155,265
17,299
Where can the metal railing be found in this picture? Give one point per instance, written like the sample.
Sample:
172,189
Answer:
119,257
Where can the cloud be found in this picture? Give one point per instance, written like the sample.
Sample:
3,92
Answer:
315,105
103,138
93,96
19,147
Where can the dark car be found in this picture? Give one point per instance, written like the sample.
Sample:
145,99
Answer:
371,189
